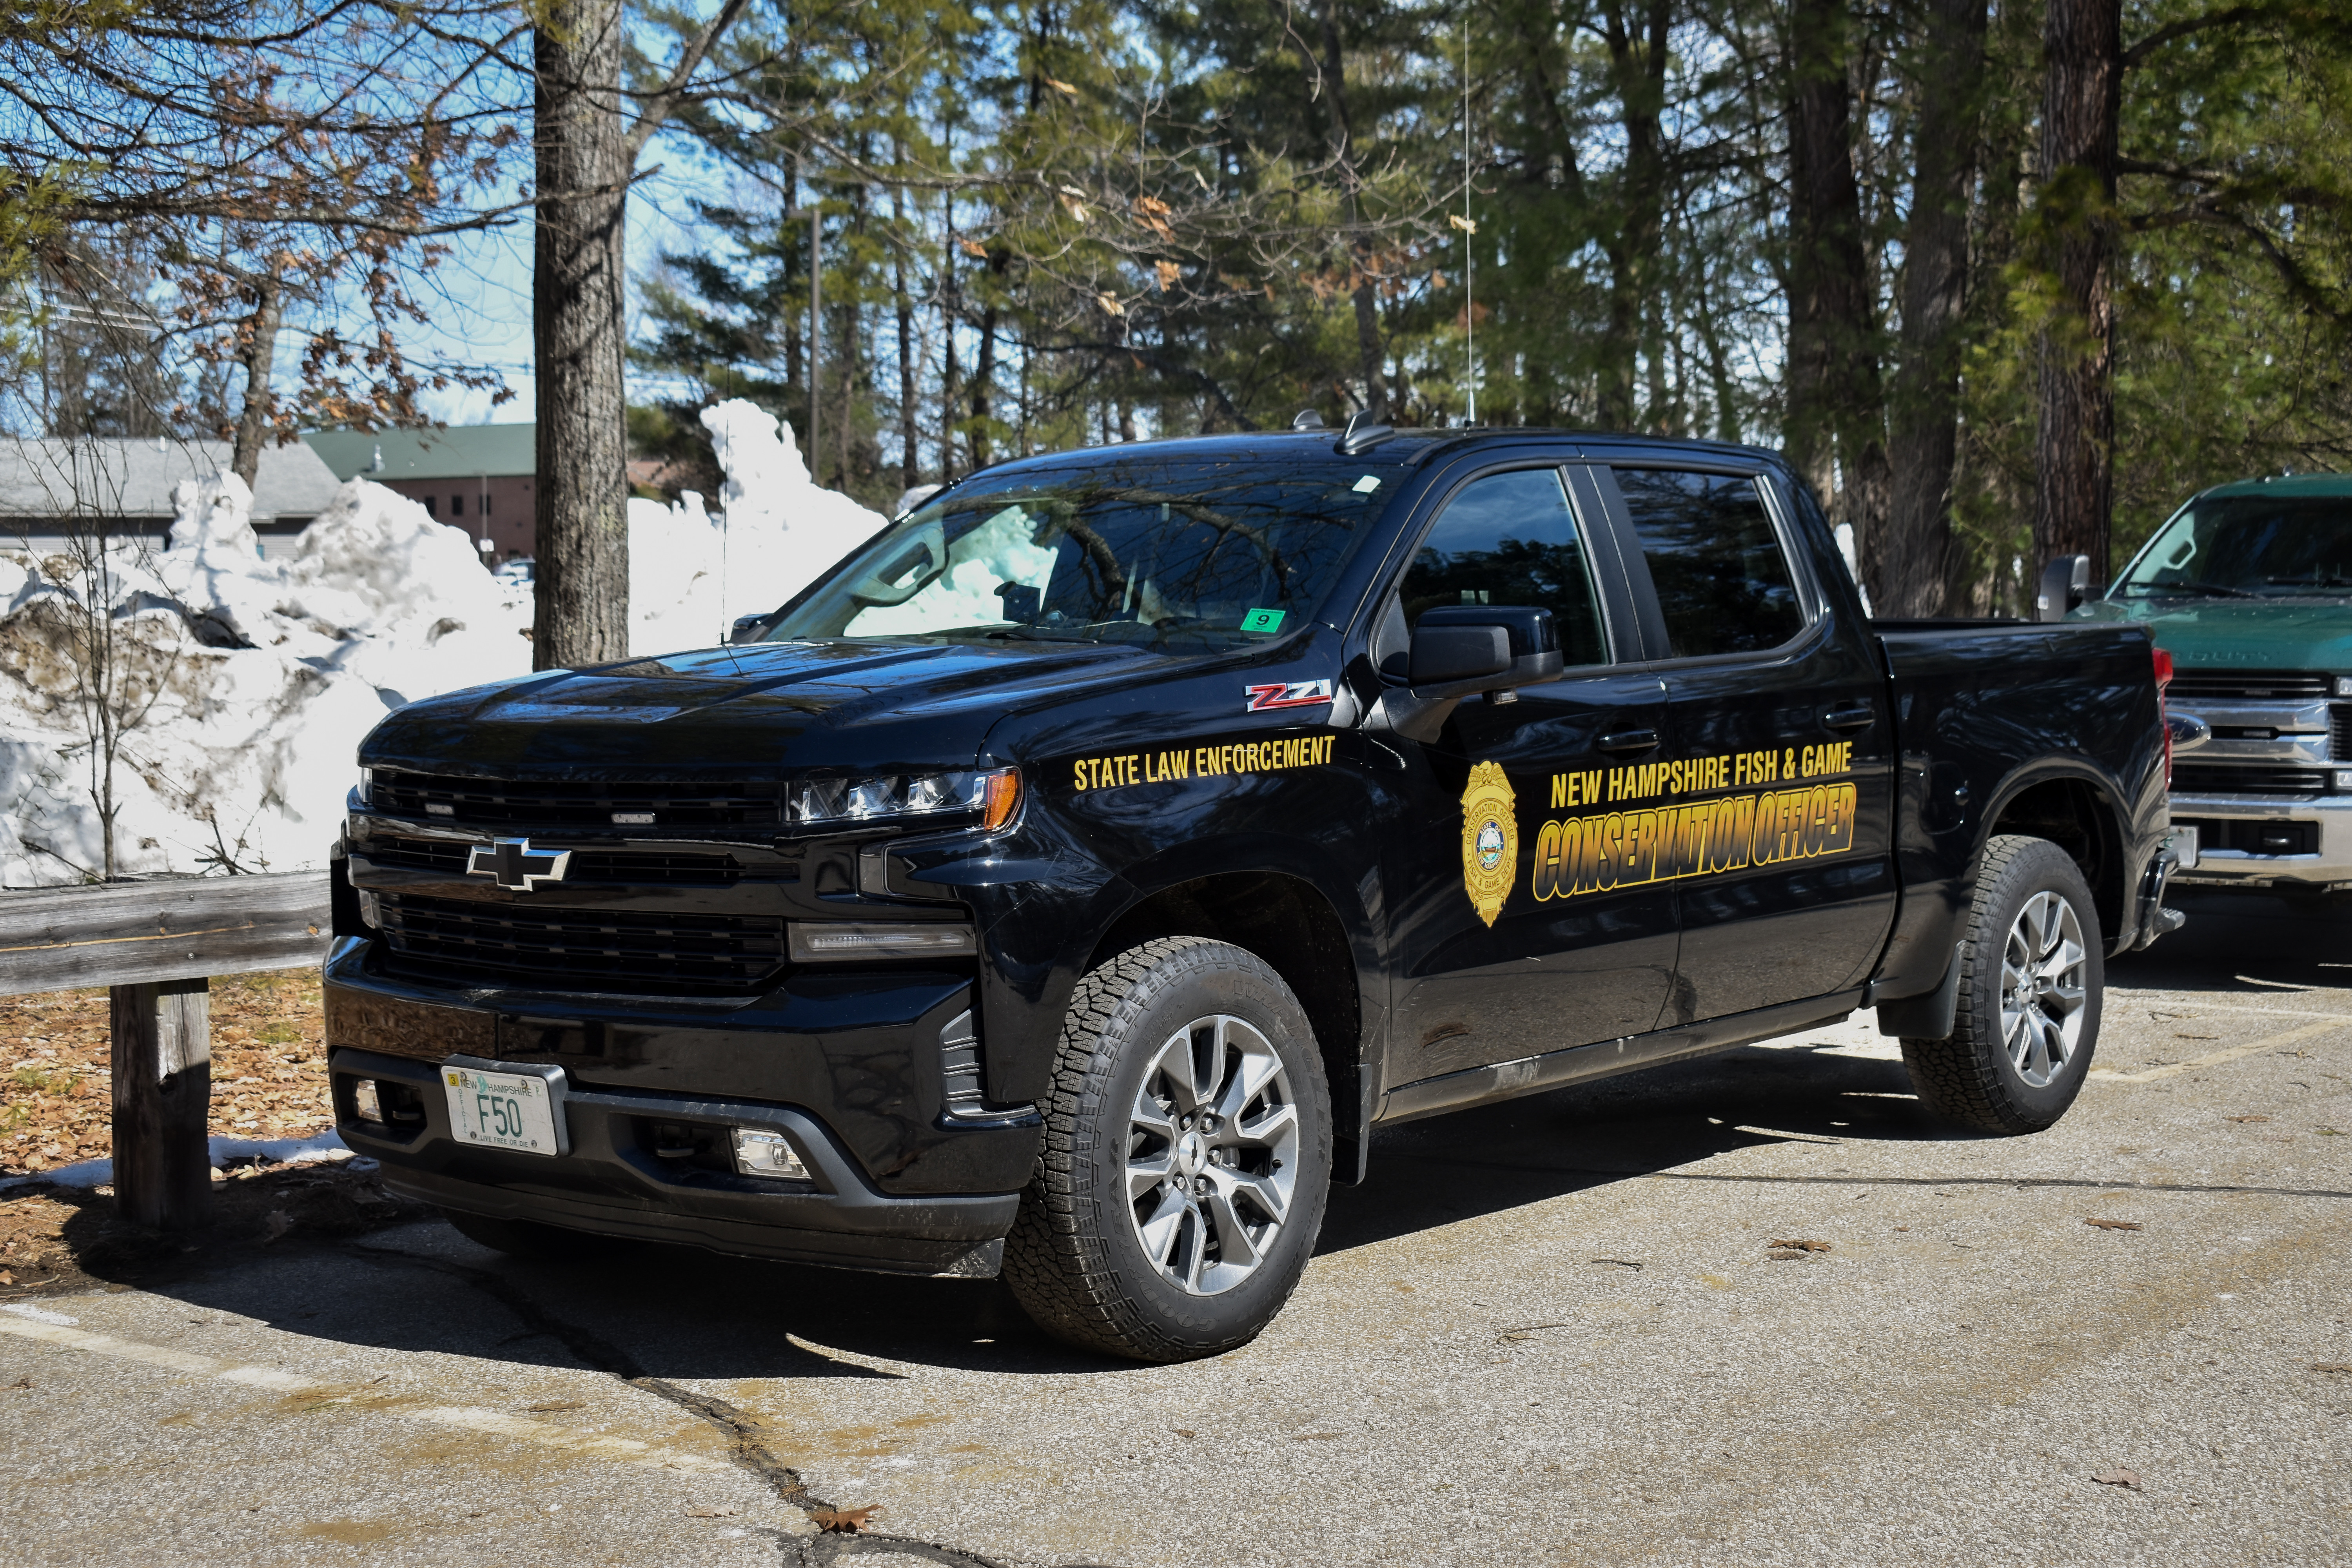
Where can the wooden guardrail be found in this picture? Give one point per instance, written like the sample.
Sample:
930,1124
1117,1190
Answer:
156,946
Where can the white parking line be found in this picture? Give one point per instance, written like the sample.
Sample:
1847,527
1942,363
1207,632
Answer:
469,1418
2217,1058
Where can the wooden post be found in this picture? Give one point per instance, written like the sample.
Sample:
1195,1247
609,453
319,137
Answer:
163,1099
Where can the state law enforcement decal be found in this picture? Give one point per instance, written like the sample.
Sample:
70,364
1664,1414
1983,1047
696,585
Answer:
1490,840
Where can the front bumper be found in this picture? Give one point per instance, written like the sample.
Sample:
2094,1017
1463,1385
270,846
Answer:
847,1068
2316,856
607,1183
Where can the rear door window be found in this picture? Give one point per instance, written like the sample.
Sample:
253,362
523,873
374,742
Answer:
1723,580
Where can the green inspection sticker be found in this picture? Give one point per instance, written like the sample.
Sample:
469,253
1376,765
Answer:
1262,620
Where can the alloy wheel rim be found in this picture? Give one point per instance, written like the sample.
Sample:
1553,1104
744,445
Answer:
1211,1154
2042,990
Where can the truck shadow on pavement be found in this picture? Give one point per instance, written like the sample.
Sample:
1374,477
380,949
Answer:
644,1311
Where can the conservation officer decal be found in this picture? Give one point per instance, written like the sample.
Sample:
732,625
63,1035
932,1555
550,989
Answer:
1490,840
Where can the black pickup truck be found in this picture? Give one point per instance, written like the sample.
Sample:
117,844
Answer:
1070,880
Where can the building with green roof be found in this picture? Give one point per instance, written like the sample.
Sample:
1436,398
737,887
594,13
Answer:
478,478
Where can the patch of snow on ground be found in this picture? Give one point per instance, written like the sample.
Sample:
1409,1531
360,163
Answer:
237,689
323,1148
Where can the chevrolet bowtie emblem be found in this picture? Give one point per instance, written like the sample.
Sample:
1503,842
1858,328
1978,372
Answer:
513,863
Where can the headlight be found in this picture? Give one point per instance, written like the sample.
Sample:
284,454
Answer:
2343,686
992,796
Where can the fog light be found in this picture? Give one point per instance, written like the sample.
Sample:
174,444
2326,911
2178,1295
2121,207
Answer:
2344,778
764,1154
2343,686
814,943
365,1104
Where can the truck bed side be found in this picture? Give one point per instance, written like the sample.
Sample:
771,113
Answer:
2016,726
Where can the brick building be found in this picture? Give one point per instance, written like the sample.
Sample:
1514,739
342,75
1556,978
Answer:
474,477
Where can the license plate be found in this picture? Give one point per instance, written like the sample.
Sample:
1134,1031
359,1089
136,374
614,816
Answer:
500,1110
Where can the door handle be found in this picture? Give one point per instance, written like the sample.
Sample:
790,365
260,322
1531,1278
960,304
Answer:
1629,741
1859,716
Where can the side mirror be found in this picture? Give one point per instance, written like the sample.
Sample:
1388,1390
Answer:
1461,651
748,628
2066,583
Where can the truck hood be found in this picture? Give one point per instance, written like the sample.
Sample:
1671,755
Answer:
2222,634
752,710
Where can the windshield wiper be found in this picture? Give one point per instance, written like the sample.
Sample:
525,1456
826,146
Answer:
2219,590
2312,582
1031,634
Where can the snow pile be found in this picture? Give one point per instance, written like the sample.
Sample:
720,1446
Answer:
235,690
691,577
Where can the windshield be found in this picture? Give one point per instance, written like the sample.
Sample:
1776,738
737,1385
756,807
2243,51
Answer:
1168,552
2248,547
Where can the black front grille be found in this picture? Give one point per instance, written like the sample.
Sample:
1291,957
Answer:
2232,778
2248,686
2253,836
666,804
611,866
2339,735
583,948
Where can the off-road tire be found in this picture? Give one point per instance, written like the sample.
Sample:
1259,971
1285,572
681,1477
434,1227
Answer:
1074,1259
1969,1077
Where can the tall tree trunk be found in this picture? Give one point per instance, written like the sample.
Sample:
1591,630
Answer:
1925,564
910,466
261,351
1834,396
583,159
983,372
951,311
2075,436
1638,55
1332,81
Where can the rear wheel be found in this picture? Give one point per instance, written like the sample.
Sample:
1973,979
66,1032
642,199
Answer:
2031,977
1187,1157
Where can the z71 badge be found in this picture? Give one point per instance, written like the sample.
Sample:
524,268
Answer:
1293,694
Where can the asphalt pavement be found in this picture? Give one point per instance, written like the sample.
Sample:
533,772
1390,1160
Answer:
1754,1309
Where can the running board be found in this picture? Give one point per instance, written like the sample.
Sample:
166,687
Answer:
1603,1058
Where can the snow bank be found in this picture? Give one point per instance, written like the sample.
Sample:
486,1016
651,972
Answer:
238,689
691,576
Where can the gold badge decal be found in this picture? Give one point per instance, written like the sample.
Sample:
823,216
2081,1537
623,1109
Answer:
1490,840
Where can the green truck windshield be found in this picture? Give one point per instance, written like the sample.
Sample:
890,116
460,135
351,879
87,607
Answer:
1167,553
2249,547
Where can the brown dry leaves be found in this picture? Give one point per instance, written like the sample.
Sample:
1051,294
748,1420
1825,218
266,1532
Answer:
269,1068
2116,1224
844,1520
2118,1479
32,1241
1791,1249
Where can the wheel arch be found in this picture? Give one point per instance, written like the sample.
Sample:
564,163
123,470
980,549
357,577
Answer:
1293,924
2080,813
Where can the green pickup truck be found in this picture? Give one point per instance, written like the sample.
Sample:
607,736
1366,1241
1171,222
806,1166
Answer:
2249,587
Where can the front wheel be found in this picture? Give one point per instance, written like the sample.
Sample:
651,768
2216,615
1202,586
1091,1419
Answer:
1186,1161
2031,979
